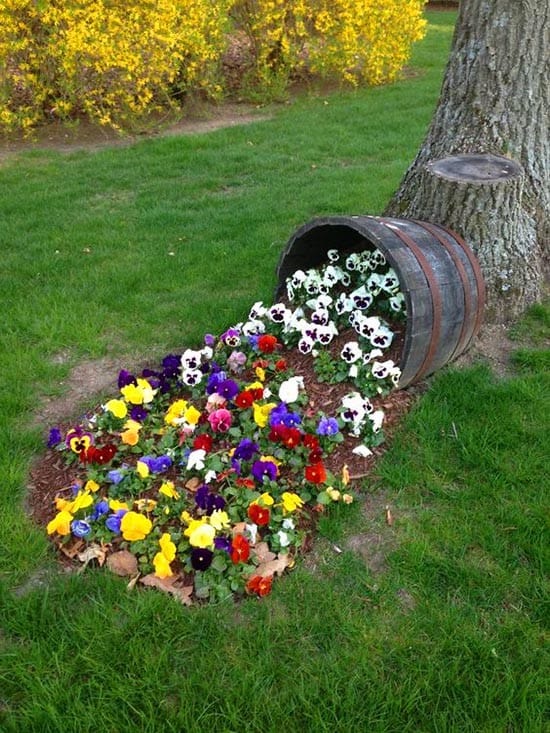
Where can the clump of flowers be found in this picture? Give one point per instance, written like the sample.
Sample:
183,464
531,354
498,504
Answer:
210,469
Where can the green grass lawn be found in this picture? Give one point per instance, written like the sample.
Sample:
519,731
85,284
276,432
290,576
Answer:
435,623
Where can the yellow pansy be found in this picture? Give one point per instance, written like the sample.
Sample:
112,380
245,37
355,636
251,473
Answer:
334,494
162,566
254,385
168,489
91,485
175,411
291,501
115,505
142,469
186,518
260,373
61,504
135,526
61,523
261,413
145,505
82,500
130,436
138,394
266,499
168,548
200,533
192,415
117,408
219,520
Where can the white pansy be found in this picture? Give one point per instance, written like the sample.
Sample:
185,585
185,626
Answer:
331,276
353,371
333,255
252,530
191,377
351,352
195,459
279,313
257,311
376,418
372,355
397,302
352,261
362,298
209,476
297,279
381,369
251,328
321,301
369,327
373,284
389,281
290,389
381,338
191,359
325,334
320,317
305,345
283,538
288,524
343,304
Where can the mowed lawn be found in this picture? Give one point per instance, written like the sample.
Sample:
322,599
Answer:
437,622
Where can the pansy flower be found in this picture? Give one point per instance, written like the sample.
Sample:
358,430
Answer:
78,439
264,470
315,473
240,549
259,585
260,515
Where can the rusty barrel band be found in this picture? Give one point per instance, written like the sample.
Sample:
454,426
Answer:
435,294
480,282
463,341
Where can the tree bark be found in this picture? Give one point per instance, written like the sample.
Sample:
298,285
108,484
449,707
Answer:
495,99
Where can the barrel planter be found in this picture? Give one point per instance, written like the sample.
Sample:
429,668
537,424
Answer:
439,277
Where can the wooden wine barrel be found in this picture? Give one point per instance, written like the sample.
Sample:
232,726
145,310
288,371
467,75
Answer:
439,276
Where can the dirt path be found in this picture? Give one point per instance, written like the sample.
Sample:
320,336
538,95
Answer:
86,136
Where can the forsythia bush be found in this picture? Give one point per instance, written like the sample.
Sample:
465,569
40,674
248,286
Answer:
110,60
114,60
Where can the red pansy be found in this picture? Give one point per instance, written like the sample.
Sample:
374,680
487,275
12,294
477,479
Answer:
260,515
267,343
240,549
203,442
316,473
258,584
245,399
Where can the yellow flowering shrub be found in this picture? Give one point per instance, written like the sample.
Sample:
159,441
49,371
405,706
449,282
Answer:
110,60
353,41
115,60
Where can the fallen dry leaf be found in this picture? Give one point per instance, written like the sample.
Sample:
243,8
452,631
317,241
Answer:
93,552
182,593
275,567
239,528
72,551
122,563
389,517
193,483
263,553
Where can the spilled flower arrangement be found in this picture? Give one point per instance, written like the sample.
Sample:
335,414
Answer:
204,476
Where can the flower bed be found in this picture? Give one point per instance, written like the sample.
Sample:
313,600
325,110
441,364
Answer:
204,477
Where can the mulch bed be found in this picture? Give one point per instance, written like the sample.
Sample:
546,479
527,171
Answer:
50,476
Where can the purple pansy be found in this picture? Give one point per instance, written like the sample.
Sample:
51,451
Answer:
327,426
262,470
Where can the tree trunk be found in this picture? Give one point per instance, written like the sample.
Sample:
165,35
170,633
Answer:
495,101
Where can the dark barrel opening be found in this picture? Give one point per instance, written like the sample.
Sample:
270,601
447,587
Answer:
438,274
